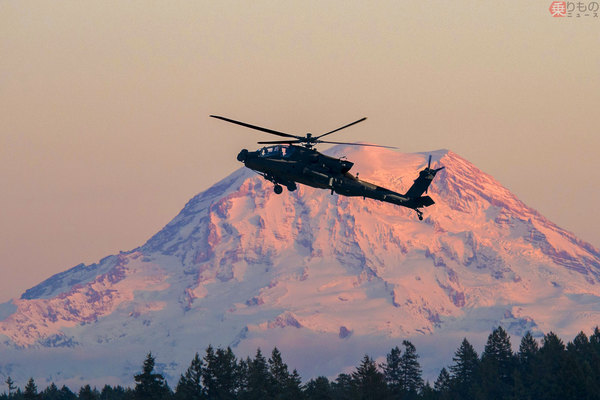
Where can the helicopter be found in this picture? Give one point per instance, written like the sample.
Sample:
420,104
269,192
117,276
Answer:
295,160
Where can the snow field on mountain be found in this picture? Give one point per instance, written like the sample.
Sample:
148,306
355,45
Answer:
324,277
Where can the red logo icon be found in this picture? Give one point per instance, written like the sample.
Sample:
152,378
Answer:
558,9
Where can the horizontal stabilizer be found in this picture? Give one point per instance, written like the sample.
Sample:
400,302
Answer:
424,201
419,202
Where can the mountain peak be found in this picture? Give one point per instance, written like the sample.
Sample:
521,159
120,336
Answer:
309,271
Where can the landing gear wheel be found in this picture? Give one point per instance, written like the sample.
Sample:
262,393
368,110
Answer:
420,215
278,189
291,187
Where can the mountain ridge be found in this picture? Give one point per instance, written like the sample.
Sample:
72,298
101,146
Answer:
241,266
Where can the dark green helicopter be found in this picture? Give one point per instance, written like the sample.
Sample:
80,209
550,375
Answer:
284,163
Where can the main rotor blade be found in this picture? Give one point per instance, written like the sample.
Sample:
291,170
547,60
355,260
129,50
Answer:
280,142
258,128
345,126
429,162
357,144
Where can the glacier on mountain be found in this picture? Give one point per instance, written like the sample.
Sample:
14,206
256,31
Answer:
325,278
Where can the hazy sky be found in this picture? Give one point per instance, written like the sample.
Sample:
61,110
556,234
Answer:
104,128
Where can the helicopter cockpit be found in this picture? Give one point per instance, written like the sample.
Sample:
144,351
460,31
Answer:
276,151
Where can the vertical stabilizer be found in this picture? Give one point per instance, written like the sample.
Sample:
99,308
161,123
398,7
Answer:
422,183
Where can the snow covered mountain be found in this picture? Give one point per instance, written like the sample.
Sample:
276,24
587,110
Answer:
325,278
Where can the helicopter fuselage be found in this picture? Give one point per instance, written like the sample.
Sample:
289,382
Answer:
288,165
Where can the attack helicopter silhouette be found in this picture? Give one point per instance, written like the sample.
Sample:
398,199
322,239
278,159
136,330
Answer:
295,160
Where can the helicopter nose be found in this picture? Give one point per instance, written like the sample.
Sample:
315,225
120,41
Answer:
243,155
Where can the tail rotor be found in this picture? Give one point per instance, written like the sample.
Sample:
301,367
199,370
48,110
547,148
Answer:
431,172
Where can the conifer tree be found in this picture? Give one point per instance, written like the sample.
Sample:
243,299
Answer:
219,376
31,391
110,393
115,393
279,371
17,395
392,372
319,389
497,366
87,393
149,384
428,393
209,373
595,355
67,394
51,393
368,382
190,383
343,387
107,393
549,378
11,385
285,385
225,372
242,376
579,374
442,384
464,370
526,364
411,380
595,338
293,390
528,350
259,382
580,347
499,350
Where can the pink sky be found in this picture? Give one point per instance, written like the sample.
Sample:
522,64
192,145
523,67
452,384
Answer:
104,128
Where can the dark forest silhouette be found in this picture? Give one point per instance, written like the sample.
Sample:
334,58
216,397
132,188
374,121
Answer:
547,369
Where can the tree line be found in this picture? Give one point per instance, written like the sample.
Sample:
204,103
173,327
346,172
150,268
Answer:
547,369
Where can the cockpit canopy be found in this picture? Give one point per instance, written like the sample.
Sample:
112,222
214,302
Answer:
276,151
